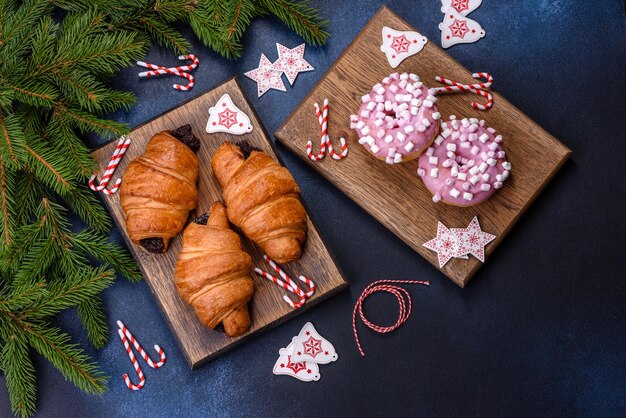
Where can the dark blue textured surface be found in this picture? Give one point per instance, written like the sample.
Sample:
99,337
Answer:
541,329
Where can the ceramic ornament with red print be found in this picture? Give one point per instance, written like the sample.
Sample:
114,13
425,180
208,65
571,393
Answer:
458,29
472,240
291,62
445,244
464,7
266,77
310,346
306,371
399,45
226,117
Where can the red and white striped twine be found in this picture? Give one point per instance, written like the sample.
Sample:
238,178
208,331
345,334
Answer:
477,88
117,156
126,335
180,71
288,284
322,116
404,301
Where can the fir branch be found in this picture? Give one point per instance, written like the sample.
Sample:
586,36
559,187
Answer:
13,144
164,34
56,347
83,203
7,204
87,122
301,18
97,246
91,314
19,373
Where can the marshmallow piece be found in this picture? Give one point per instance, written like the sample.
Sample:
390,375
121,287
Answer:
466,186
410,87
491,162
451,147
414,110
491,130
451,154
465,122
366,98
378,123
474,180
389,160
436,115
360,124
486,177
389,139
365,130
447,163
409,146
483,138
421,128
427,103
436,197
446,133
506,165
381,90
433,160
498,139
392,152
375,148
407,97
473,170
388,105
403,107
500,154
363,140
413,77
370,106
393,88
468,196
455,124
462,176
483,167
397,158
400,136
421,172
455,193
493,146
497,185
426,122
365,114
354,118
430,151
485,187
380,134
475,150
472,137
465,145
404,76
408,129
434,172
454,171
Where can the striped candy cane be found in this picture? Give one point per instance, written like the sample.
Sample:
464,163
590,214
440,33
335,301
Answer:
323,121
141,351
180,71
117,156
477,88
142,379
404,301
288,284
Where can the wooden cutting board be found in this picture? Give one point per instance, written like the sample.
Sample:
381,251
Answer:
394,194
267,307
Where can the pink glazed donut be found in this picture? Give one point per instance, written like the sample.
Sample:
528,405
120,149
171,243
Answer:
398,119
465,165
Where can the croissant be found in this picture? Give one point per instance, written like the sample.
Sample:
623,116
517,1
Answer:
213,273
159,189
262,199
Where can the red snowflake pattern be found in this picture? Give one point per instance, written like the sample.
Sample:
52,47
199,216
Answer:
312,346
459,28
295,367
227,118
400,44
460,5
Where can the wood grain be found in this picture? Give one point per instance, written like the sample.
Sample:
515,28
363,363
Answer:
394,194
267,307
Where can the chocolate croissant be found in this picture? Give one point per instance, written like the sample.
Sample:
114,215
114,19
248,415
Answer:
262,199
213,273
159,189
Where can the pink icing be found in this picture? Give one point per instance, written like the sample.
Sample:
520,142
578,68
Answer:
464,148
398,119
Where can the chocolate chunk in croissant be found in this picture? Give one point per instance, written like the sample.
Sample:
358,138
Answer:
263,200
246,148
153,245
158,191
185,135
213,274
